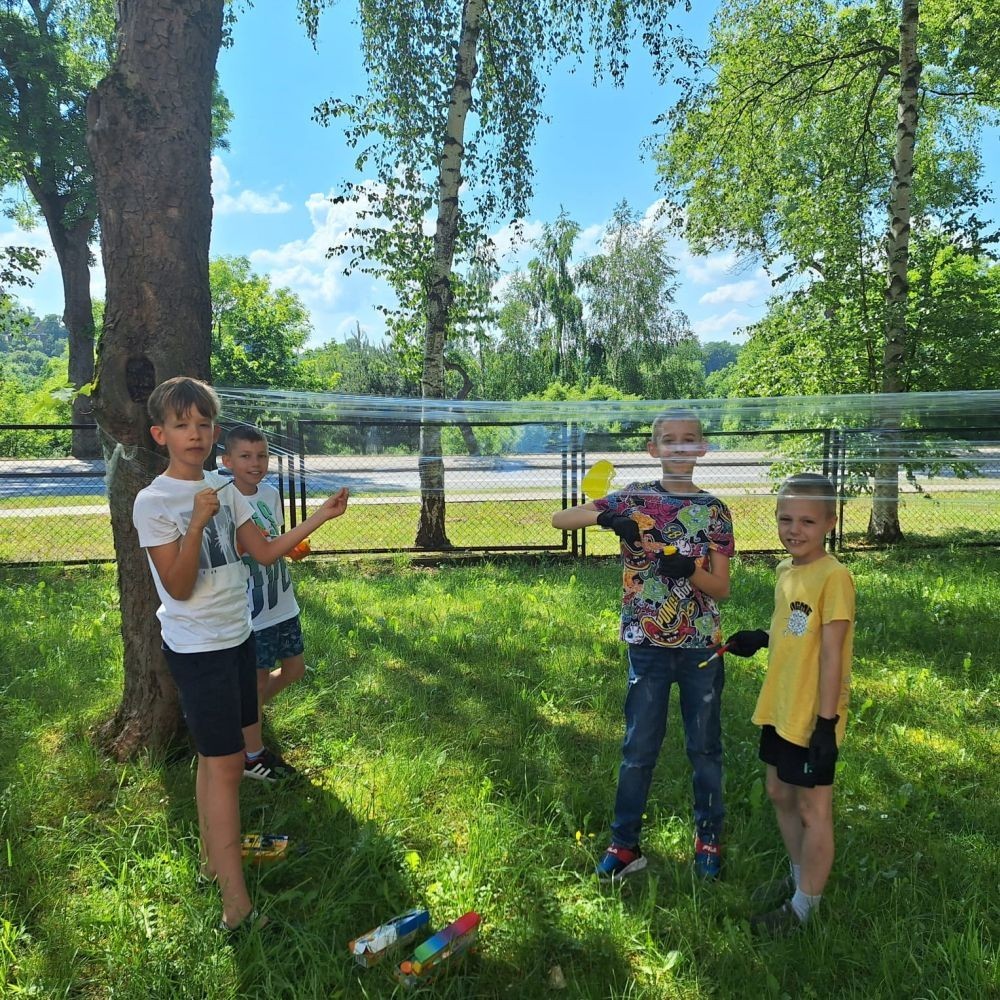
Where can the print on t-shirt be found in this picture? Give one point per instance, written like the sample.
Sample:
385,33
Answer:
658,610
218,539
268,584
798,618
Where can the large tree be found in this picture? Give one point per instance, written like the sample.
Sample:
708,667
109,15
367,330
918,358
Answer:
953,316
150,136
258,332
453,103
51,55
816,120
629,286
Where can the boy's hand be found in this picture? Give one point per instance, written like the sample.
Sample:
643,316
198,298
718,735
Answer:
624,527
206,506
334,506
675,565
747,641
823,743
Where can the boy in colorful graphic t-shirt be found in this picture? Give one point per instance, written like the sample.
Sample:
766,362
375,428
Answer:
676,543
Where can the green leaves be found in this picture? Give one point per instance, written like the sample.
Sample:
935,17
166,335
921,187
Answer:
257,332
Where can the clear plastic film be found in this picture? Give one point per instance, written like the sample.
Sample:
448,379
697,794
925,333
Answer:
939,452
940,441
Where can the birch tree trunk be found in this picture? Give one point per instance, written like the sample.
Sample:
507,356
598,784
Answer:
884,523
431,530
150,135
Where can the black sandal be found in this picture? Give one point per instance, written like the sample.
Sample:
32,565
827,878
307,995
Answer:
253,921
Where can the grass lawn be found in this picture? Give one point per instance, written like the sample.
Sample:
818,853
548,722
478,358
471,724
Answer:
65,535
461,729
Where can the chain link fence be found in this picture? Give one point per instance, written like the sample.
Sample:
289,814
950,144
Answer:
503,481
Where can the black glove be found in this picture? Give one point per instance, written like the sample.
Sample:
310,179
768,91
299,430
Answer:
823,744
675,565
624,527
747,641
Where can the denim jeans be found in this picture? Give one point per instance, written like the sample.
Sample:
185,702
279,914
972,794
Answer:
652,670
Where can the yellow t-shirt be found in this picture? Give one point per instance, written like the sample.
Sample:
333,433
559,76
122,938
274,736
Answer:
805,598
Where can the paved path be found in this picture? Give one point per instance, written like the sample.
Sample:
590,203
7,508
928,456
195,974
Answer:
395,479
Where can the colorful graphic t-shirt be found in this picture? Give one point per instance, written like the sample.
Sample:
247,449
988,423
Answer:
272,600
658,610
805,599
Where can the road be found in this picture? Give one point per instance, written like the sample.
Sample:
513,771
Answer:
387,478
389,474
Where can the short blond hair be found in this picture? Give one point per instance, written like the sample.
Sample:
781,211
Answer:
179,395
810,485
680,413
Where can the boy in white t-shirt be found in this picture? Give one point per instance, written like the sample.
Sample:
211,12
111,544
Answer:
189,522
273,609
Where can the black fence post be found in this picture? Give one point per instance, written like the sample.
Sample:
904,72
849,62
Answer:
289,437
579,534
841,486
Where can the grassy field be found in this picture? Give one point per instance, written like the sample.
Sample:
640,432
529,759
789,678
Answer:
68,535
461,730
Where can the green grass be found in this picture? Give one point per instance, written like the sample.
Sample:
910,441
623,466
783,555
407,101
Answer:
65,536
461,728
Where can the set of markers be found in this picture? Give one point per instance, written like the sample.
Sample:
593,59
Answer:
437,953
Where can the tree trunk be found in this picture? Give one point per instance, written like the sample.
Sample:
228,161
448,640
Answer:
431,530
468,434
71,243
150,134
884,523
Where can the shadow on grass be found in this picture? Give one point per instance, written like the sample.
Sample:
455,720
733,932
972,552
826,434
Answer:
104,855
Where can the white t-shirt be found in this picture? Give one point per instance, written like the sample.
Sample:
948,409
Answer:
271,597
215,616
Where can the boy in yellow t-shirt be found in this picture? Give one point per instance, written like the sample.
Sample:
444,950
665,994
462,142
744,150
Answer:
802,707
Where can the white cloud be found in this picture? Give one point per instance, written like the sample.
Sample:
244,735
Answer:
336,302
45,294
513,243
708,270
724,324
737,291
590,240
231,202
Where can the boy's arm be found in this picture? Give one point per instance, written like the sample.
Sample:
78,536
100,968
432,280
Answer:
177,562
831,667
713,581
268,551
583,516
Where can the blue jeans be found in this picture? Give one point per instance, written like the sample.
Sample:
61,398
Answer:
651,671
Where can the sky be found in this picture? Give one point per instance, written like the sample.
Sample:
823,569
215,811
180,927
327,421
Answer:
273,186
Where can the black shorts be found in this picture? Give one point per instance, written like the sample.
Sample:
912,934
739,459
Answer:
791,761
218,690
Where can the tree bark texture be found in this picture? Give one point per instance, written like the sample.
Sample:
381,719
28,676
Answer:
884,523
150,138
431,530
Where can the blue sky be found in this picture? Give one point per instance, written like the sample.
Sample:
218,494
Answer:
272,187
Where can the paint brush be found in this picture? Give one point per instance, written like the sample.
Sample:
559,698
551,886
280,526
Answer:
718,652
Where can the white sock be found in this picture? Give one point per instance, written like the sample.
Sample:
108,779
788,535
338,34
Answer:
803,905
796,870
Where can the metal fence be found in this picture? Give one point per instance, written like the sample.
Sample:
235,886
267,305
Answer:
53,507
